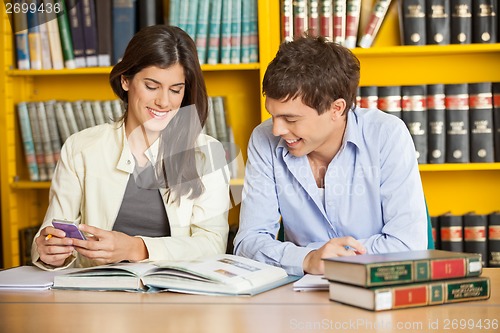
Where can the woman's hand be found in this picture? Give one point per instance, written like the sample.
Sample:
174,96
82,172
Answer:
106,247
53,246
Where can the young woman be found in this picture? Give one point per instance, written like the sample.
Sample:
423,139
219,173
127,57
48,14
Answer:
150,186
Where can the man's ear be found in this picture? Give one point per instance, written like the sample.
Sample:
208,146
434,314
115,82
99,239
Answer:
124,82
337,108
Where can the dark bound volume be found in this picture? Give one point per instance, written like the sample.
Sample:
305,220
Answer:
90,32
494,239
149,12
475,235
368,97
26,237
414,113
484,21
299,17
438,22
451,228
412,16
481,122
461,22
496,118
436,120
75,12
124,12
389,100
457,123
105,35
436,232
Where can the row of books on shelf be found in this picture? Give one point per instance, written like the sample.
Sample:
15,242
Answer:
356,23
406,279
57,34
442,22
225,31
471,233
449,123
45,126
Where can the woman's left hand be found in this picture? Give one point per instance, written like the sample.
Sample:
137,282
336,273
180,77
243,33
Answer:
107,247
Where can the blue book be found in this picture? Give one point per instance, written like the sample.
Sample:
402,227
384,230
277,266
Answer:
236,32
123,26
34,38
214,28
192,18
173,12
202,30
254,32
28,144
21,37
225,40
75,11
90,32
245,30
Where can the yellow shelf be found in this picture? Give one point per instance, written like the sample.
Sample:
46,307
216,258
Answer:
426,50
459,167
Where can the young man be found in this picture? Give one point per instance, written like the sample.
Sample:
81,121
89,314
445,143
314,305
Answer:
342,180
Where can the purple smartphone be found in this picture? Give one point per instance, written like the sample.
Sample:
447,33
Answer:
70,228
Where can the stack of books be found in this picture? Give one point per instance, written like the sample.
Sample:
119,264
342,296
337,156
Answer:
406,279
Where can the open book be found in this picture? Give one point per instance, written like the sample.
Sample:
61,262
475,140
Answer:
218,275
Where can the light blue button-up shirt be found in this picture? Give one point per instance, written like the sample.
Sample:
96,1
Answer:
373,193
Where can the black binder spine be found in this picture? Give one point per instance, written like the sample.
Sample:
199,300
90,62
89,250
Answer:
484,21
457,123
481,122
475,235
436,114
451,227
368,97
438,22
413,19
389,100
461,21
494,239
414,112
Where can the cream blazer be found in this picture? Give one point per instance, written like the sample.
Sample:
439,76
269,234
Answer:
89,183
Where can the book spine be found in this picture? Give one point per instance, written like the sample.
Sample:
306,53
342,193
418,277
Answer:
107,111
484,21
44,39
494,239
389,100
254,32
214,30
369,97
81,123
75,15
149,12
225,41
414,114
97,112
220,118
183,14
339,21
236,22
65,35
89,115
286,20
375,21
496,118
37,141
461,21
28,144
436,113
313,17
62,123
457,123
353,8
174,12
53,131
56,52
70,118
21,39
326,19
246,12
481,122
48,154
190,26
413,19
210,123
118,109
90,32
438,22
202,31
34,37
124,13
451,232
475,232
104,33
299,18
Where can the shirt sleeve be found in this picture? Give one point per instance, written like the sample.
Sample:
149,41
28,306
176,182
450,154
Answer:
402,199
260,214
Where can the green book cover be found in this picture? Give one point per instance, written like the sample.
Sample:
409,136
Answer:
65,34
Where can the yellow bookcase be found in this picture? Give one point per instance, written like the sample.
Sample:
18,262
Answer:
448,187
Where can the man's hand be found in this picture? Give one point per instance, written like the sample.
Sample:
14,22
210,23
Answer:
335,247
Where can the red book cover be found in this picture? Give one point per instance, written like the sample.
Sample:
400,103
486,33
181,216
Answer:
339,16
326,19
352,22
299,17
286,20
407,296
313,17
449,268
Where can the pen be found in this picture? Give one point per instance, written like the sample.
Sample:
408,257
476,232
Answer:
49,236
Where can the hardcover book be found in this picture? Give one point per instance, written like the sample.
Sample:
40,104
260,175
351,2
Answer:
90,32
494,239
299,17
75,15
368,97
413,295
451,227
21,38
461,22
28,143
65,35
412,20
215,275
124,26
436,115
496,118
372,270
375,21
457,123
56,52
389,100
414,114
214,32
34,37
104,33
438,22
287,20
481,122
475,233
339,21
352,23
313,17
149,12
326,19
484,21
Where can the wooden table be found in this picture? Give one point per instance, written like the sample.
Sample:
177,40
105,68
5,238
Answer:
279,310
